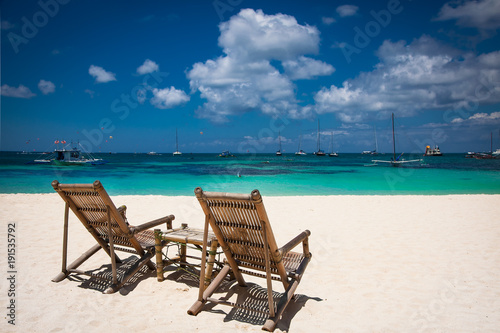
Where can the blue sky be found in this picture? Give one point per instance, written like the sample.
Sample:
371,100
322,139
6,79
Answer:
121,76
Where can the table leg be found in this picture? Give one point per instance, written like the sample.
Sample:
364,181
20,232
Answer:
211,261
183,254
159,255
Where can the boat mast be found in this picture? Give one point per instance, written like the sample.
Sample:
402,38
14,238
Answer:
491,143
331,143
176,141
376,143
319,148
393,140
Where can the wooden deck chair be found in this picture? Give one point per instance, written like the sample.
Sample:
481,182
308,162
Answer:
107,224
242,228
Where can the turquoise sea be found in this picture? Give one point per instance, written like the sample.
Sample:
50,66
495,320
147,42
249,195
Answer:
348,174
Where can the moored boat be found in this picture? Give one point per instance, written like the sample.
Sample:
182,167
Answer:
226,153
70,155
300,151
176,152
395,161
319,152
432,151
278,153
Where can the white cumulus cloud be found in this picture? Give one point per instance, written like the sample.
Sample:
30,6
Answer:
482,14
347,10
46,87
245,79
482,118
19,92
327,20
168,98
101,75
306,68
422,75
256,36
148,66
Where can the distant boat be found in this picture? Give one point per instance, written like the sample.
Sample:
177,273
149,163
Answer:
176,152
372,152
487,156
278,153
432,151
395,161
496,153
226,153
332,153
319,152
69,155
300,151
152,153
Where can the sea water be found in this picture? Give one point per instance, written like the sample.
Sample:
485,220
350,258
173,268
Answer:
348,174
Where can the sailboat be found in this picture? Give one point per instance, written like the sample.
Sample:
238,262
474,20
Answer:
176,152
319,152
395,161
372,152
278,153
300,152
332,153
487,156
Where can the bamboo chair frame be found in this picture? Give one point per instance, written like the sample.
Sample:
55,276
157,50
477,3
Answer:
107,224
242,228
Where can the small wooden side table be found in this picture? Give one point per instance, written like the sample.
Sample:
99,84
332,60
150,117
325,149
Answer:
184,236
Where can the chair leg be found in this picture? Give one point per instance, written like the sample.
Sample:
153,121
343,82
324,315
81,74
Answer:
287,296
75,264
131,272
270,323
196,307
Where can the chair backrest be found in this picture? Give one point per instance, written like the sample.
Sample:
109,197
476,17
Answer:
93,207
242,228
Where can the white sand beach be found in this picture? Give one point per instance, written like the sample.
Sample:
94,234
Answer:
380,264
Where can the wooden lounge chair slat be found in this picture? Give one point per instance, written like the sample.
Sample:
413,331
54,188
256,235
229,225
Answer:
96,211
242,228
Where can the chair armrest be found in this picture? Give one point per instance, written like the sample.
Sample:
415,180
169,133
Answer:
301,238
167,219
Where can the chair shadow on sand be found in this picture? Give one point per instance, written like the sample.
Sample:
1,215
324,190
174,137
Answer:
253,296
99,280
